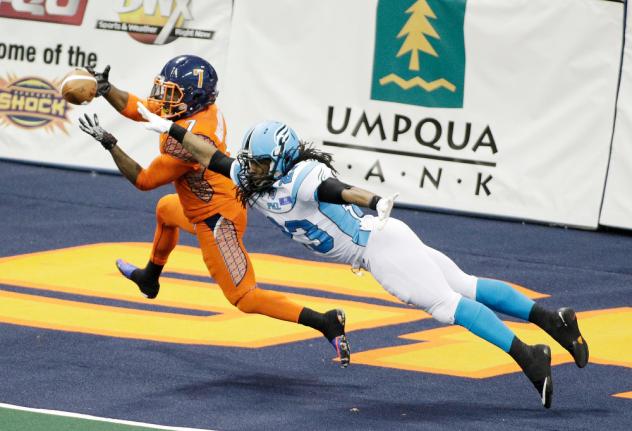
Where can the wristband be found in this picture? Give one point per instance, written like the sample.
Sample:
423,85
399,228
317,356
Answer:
108,141
177,132
374,201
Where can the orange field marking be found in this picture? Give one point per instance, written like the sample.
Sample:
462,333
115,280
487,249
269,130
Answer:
89,271
455,351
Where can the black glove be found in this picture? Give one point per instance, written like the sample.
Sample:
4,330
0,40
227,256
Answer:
103,84
97,132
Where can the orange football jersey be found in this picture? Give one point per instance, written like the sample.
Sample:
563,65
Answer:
202,192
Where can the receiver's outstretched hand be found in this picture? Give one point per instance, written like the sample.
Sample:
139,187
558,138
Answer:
103,83
92,128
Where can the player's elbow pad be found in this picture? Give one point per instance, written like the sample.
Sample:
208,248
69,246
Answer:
330,191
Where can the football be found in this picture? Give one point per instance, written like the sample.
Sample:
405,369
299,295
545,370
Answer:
79,87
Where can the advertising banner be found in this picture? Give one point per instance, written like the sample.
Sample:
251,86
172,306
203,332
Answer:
617,202
502,108
41,41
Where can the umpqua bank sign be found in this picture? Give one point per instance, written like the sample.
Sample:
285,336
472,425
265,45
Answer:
419,60
419,54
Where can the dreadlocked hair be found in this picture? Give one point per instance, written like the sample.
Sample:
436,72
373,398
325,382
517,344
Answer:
306,151
251,186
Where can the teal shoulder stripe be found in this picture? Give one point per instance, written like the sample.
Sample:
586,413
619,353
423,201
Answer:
301,177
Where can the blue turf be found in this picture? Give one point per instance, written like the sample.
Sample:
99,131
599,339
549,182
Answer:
294,386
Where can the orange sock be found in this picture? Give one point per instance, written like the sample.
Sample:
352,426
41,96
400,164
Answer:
271,304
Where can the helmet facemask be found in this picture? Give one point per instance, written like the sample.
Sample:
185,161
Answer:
266,162
253,182
166,98
259,171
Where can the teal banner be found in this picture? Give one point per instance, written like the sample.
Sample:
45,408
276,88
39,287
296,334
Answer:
419,54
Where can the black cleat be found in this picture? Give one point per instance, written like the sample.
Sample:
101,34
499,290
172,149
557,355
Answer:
539,372
340,343
131,272
567,334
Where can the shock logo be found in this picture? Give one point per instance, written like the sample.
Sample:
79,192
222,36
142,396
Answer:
154,22
31,103
419,56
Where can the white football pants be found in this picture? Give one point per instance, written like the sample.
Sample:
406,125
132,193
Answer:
415,273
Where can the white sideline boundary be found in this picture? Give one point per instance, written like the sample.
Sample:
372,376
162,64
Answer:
97,418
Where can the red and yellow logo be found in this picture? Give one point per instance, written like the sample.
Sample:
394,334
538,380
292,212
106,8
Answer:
32,102
69,12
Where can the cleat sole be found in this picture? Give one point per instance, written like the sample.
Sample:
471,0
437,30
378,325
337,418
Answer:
125,268
343,350
547,389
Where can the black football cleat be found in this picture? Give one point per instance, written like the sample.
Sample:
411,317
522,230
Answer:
340,343
567,334
131,272
539,372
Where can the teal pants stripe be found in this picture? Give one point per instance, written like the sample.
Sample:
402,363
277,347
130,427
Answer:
482,321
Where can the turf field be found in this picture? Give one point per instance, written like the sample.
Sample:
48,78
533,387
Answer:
77,338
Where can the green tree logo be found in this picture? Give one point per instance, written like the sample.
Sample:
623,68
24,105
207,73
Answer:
415,30
420,52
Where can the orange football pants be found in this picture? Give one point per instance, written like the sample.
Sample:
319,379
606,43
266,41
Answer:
225,257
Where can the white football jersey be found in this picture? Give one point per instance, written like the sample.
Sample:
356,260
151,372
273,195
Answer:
292,204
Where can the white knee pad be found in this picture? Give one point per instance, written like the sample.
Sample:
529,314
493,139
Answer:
445,310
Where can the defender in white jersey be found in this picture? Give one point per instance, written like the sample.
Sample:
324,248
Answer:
292,204
295,186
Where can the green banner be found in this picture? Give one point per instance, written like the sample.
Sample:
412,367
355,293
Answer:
419,54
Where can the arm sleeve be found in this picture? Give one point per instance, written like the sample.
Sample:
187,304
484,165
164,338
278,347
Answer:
162,170
221,163
330,191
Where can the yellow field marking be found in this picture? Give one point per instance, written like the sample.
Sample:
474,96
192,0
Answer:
455,351
70,269
89,270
